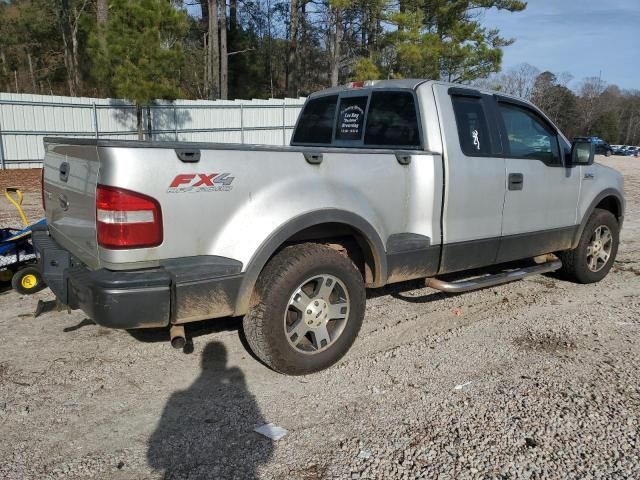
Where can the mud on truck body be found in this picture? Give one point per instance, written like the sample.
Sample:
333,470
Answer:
383,182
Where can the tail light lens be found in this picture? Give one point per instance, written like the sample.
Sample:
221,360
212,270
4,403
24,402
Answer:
127,219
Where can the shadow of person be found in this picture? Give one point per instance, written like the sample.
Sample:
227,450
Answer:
206,431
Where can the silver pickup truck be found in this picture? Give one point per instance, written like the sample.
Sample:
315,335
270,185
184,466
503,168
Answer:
383,182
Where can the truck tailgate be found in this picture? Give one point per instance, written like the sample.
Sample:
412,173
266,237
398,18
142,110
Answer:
70,180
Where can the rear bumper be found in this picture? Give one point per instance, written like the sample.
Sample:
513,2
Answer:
181,290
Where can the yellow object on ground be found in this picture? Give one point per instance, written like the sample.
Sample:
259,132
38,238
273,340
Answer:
17,202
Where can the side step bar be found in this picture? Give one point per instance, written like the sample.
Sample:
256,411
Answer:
493,280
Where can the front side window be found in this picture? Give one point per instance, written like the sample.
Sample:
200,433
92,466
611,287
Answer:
528,135
473,130
351,118
392,120
316,121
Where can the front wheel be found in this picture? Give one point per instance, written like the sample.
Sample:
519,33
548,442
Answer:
592,259
307,309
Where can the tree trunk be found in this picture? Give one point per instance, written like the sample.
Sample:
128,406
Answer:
269,49
69,29
372,35
214,51
207,64
627,137
233,15
301,48
74,57
224,59
102,12
149,125
33,77
204,5
139,121
68,63
292,88
68,57
335,51
5,72
102,18
364,27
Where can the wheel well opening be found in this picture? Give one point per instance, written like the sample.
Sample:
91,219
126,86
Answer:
611,204
343,238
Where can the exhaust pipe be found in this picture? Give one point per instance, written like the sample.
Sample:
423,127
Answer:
178,337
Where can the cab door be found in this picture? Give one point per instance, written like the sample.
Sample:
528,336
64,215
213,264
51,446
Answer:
540,208
474,179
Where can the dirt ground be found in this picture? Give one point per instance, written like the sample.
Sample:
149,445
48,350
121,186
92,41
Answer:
28,181
535,379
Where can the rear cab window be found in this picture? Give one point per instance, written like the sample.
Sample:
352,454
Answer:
315,126
473,126
361,119
392,120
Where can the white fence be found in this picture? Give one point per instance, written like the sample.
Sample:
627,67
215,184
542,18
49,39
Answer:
26,119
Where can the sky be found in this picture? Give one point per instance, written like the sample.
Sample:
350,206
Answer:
583,37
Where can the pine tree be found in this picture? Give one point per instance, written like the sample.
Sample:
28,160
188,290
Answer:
444,39
142,57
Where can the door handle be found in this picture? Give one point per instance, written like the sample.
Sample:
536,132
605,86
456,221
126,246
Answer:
589,176
313,158
516,181
188,156
403,158
64,171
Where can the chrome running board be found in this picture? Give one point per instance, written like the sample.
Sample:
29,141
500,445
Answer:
493,280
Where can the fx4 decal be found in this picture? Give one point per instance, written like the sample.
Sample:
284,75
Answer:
201,182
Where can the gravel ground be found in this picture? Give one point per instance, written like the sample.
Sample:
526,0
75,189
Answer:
536,379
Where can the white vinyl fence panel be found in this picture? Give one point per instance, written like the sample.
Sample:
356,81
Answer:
26,119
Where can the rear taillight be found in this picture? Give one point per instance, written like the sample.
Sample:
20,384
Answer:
127,219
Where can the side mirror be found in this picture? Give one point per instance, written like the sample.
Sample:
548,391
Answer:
582,152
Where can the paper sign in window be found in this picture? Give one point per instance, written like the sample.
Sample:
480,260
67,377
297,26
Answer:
351,118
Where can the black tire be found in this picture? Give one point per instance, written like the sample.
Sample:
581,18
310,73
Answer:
27,281
265,324
574,262
608,154
5,279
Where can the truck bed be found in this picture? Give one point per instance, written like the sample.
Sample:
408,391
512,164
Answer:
270,186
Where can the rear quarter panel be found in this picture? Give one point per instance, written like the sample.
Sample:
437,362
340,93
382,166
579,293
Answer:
270,188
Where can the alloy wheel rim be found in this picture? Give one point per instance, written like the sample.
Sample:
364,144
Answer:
599,248
316,314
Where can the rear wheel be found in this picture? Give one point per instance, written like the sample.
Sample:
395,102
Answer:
308,308
592,259
27,281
